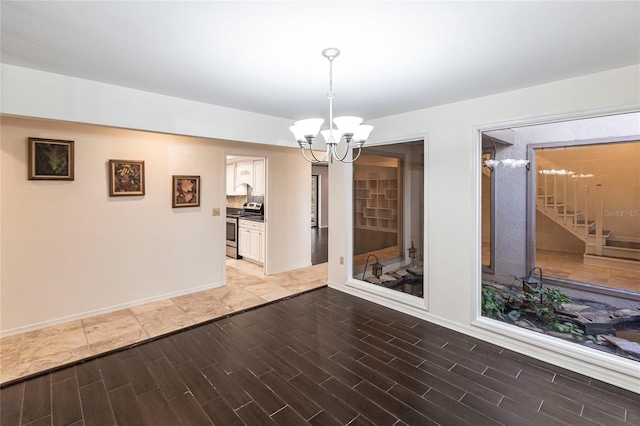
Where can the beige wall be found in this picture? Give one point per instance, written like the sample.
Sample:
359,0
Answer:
69,250
553,237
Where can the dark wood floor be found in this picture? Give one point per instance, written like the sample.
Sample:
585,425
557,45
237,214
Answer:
321,358
319,245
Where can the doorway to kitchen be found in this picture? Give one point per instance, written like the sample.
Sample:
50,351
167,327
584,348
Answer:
245,207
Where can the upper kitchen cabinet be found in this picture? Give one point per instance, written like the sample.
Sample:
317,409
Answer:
244,173
248,171
258,177
232,187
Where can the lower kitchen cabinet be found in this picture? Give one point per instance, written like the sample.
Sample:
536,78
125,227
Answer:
251,240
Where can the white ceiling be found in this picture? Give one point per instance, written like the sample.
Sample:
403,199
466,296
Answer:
265,56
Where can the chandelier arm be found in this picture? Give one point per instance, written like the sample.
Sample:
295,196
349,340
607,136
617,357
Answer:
326,156
315,160
358,155
353,159
323,159
338,156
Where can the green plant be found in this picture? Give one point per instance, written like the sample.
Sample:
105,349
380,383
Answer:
569,327
539,301
555,299
492,304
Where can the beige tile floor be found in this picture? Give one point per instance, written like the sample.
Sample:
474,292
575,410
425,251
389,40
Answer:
571,266
36,351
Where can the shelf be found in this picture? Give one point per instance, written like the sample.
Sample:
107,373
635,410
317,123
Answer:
385,213
362,194
376,204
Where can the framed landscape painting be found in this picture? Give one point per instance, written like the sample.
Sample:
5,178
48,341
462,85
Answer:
186,191
126,177
50,159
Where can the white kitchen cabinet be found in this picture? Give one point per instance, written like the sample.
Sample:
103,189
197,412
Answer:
233,188
244,242
258,177
231,179
251,240
244,173
255,246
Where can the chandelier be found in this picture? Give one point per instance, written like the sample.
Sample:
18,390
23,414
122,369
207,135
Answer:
348,128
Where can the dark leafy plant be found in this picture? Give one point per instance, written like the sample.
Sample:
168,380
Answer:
514,315
555,299
492,304
569,327
539,301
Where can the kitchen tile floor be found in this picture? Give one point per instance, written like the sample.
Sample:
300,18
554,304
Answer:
36,351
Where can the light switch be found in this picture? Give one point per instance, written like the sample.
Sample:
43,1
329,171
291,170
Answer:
216,212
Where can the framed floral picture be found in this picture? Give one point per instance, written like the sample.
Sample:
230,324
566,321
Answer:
126,177
50,159
186,191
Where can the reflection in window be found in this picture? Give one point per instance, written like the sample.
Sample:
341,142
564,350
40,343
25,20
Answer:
588,213
388,203
487,204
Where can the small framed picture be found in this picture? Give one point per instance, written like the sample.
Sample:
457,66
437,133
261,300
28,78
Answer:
186,191
126,177
50,159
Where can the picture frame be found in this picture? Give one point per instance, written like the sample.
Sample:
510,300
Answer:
126,178
186,191
50,159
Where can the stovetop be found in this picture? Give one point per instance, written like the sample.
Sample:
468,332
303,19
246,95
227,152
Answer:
246,213
234,212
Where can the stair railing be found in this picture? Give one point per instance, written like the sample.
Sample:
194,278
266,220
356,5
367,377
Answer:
575,205
555,194
599,219
586,212
564,199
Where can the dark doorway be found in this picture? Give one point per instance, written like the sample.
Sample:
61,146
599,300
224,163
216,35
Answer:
319,245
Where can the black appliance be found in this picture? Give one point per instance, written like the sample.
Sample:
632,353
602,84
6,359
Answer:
251,209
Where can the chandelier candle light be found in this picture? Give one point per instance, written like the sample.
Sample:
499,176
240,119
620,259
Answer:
348,127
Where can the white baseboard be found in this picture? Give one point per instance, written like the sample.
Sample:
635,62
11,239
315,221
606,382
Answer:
289,268
609,368
106,310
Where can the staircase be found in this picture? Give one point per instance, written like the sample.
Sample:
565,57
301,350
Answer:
563,200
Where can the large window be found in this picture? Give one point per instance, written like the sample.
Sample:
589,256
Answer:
388,212
561,222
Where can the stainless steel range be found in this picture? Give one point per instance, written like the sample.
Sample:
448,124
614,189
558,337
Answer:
251,209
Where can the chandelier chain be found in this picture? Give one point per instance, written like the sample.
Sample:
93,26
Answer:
330,94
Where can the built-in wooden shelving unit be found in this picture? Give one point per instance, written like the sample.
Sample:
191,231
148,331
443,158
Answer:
376,204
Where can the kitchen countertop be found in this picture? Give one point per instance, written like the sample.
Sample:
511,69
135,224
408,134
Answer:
253,218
